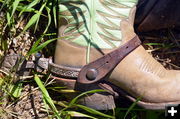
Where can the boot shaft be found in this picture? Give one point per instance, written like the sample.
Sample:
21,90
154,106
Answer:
93,23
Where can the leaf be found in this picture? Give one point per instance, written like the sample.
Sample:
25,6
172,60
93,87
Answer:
20,8
46,95
16,90
40,47
35,45
32,21
54,15
95,112
49,19
65,91
46,106
39,12
78,114
32,4
161,44
4,4
8,18
1,81
60,103
15,4
56,88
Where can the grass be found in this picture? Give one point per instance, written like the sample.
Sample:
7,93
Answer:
32,12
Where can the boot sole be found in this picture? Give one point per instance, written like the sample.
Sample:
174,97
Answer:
106,102
98,101
146,105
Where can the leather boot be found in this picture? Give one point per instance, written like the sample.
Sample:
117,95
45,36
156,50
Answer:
92,26
137,75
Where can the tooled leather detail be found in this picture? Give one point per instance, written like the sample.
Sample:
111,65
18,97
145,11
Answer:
80,25
64,71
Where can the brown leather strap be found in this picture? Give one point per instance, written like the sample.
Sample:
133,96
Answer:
40,65
63,71
90,73
100,68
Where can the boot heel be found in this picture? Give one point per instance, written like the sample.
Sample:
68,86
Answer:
98,101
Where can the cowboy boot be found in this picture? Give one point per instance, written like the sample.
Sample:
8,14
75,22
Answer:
76,29
138,74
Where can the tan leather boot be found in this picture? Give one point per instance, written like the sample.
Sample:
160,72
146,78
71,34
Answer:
91,25
137,75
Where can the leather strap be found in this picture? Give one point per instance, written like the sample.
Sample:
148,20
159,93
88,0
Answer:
40,65
63,71
100,68
90,73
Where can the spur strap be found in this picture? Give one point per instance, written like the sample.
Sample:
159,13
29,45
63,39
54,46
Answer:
90,73
100,68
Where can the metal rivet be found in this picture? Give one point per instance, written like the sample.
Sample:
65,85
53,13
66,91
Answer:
91,74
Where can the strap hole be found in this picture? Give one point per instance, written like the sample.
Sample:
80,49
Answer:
107,62
127,47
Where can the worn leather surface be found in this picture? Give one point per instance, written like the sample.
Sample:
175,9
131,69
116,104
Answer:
139,73
99,69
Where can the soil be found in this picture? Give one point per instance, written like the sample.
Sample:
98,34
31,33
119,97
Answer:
29,107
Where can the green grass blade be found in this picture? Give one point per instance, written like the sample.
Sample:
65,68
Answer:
160,44
16,90
131,107
8,18
40,11
54,15
62,90
32,21
1,81
15,4
46,106
73,101
40,47
95,112
46,95
4,45
32,4
56,87
35,45
4,4
78,114
49,19
20,8
60,103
